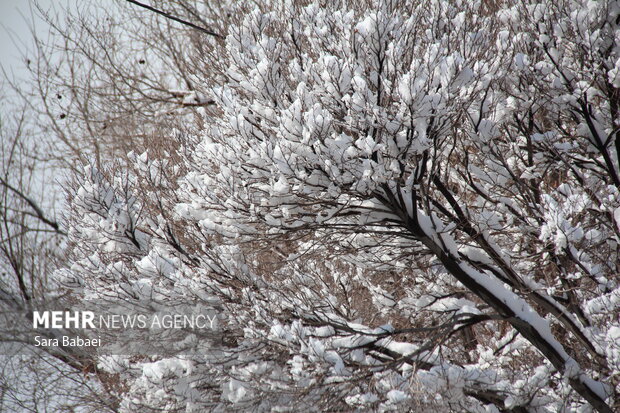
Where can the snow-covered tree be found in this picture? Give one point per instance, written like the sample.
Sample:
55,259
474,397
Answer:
397,205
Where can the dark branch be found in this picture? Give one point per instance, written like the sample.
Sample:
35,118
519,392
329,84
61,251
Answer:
38,212
176,19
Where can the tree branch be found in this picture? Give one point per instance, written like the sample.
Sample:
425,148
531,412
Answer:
176,19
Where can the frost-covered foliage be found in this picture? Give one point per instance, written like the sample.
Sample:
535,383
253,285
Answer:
398,205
